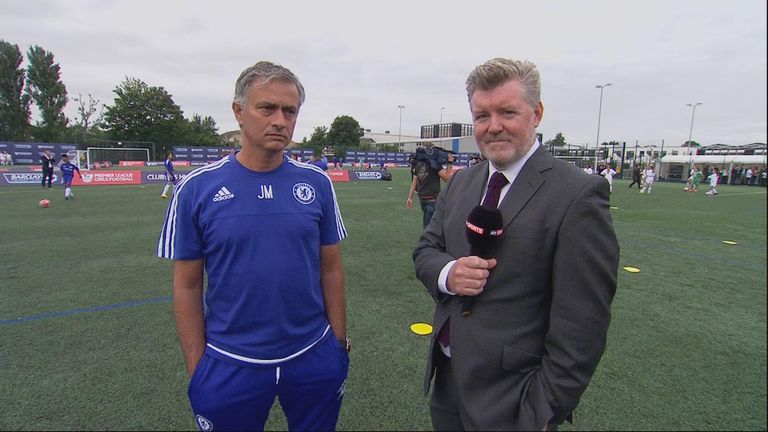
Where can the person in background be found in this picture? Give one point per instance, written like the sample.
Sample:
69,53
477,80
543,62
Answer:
170,175
537,330
608,173
689,181
713,179
425,181
696,180
636,175
649,176
47,162
322,162
266,231
68,170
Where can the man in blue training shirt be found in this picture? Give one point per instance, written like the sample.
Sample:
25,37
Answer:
67,174
266,230
322,162
170,175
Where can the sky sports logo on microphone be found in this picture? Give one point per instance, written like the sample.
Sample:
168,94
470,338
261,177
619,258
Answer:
481,231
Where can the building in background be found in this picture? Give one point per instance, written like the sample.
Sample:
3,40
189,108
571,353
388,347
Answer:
447,130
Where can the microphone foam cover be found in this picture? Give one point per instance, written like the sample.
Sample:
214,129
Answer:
484,229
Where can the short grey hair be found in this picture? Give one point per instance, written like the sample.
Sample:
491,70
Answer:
261,73
498,71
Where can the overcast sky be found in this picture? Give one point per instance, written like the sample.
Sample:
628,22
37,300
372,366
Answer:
363,59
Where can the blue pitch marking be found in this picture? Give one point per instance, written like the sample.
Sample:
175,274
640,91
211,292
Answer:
86,310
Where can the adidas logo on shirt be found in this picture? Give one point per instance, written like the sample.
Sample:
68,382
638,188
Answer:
223,194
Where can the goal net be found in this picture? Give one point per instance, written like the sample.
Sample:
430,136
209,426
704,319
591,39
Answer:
113,156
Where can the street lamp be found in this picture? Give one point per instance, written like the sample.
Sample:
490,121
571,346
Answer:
400,127
599,113
441,114
690,133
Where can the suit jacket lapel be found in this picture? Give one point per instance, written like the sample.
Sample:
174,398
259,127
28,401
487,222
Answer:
474,188
528,181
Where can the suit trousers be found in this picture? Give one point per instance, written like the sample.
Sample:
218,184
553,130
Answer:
443,406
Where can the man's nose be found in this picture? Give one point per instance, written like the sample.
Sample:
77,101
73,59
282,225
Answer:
494,124
279,121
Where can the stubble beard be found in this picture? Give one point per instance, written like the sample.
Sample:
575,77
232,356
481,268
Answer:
503,158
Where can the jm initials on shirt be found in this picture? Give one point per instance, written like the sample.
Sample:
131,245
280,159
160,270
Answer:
266,192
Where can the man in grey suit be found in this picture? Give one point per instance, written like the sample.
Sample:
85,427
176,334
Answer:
541,310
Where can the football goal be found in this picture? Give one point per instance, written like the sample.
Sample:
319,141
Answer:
115,155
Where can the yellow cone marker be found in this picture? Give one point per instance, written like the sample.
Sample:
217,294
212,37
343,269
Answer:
421,328
632,269
728,242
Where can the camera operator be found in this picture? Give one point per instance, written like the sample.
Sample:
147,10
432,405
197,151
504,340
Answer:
426,171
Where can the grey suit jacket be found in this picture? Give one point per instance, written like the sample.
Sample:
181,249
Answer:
536,333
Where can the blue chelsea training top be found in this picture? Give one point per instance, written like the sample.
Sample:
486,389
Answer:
260,235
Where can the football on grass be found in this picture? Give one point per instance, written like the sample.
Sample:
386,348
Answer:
44,203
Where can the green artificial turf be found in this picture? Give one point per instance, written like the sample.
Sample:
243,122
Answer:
87,338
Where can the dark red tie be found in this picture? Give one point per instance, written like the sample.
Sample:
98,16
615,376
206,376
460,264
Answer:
497,182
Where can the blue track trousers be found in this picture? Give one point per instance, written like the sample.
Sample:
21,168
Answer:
228,394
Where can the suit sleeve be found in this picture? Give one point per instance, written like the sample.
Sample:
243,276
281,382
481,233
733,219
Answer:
583,286
429,256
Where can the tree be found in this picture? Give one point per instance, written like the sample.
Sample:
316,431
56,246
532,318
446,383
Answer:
86,110
557,141
691,144
202,131
318,138
144,113
14,103
345,132
85,125
44,86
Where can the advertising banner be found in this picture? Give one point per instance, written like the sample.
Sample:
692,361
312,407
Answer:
339,175
199,155
98,178
366,175
24,178
131,163
150,177
29,153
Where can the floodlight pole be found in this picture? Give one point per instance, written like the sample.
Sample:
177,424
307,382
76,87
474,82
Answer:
599,113
400,127
690,133
441,114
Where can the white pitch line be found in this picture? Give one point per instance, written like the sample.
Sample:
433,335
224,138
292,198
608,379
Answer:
740,194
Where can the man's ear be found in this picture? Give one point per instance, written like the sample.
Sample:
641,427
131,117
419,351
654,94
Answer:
539,113
238,110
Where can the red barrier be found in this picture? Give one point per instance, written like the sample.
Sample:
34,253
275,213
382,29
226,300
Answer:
338,175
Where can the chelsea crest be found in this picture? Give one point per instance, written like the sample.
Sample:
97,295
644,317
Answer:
304,193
